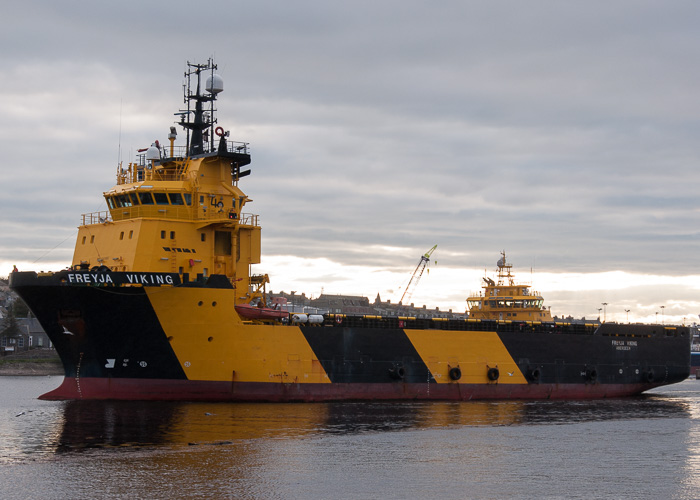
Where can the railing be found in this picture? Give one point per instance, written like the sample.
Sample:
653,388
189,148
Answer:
96,218
142,170
180,152
137,172
167,212
249,220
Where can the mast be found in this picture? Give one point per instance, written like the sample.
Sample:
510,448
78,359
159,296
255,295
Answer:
504,270
201,122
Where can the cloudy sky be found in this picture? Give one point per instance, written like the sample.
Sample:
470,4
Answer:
565,134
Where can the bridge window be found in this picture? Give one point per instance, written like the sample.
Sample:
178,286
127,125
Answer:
161,199
121,235
124,200
110,202
146,198
134,198
188,199
176,199
162,235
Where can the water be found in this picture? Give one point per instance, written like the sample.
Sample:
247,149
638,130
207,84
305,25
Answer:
644,447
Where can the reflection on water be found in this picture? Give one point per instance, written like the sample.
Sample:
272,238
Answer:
647,446
91,424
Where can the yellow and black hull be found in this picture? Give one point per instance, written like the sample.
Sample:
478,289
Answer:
147,336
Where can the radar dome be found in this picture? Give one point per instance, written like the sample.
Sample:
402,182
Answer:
153,153
214,84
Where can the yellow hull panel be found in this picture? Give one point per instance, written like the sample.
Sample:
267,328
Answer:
473,352
212,343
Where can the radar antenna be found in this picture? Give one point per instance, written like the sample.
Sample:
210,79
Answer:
202,121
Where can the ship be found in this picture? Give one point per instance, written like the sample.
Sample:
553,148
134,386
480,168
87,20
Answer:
160,302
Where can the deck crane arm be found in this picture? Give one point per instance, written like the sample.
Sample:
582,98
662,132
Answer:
424,259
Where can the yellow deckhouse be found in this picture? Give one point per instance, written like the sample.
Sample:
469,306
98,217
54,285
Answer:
507,300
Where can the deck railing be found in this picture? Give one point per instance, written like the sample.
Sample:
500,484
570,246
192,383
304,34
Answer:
167,212
142,170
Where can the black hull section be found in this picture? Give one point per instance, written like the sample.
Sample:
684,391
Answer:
649,356
367,355
91,326
113,346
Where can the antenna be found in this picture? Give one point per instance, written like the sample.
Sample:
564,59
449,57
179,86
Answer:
119,152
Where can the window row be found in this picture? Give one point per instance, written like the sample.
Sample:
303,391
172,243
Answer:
508,304
148,198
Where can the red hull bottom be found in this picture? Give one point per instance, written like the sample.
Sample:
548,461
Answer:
199,390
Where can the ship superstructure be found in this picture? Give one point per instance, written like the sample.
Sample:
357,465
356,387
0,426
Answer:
160,303
178,209
505,299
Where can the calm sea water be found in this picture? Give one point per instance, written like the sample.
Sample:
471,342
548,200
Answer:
643,447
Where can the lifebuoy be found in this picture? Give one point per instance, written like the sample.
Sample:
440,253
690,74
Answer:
339,319
493,374
455,373
219,131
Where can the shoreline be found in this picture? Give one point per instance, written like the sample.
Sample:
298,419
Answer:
34,363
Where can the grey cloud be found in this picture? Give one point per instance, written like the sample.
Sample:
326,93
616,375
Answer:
565,132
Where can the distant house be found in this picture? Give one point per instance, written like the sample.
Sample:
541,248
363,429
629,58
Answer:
15,341
29,335
36,335
357,305
346,304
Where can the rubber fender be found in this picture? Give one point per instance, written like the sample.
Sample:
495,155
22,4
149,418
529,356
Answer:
397,372
591,374
455,373
534,374
493,374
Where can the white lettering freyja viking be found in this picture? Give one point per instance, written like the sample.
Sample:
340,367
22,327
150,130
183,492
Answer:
100,278
150,279
131,278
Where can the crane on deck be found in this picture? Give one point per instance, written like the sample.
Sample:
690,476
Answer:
415,277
